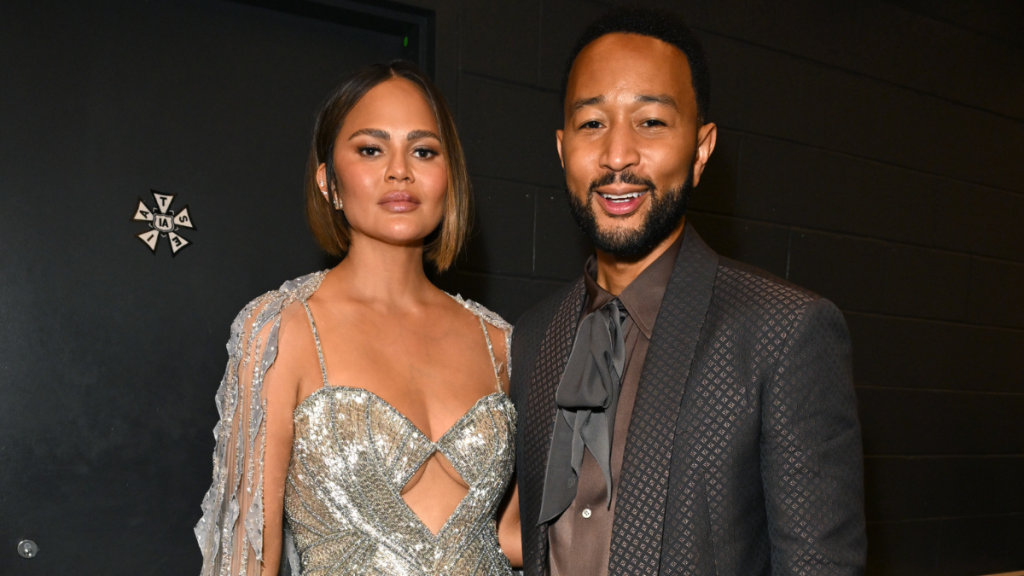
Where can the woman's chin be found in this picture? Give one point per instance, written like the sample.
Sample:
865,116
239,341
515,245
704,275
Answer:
400,238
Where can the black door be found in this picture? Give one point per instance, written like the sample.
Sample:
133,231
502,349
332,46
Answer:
110,351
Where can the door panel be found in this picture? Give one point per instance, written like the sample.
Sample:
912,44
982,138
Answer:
110,355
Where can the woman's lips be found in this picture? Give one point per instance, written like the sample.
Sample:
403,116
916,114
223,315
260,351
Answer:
399,202
621,202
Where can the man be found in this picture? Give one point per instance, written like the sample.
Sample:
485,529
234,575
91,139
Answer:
679,412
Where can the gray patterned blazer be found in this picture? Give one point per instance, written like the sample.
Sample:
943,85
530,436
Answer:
744,453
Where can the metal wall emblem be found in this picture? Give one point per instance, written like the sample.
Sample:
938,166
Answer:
27,549
163,222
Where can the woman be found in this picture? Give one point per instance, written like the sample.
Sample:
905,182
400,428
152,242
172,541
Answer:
365,426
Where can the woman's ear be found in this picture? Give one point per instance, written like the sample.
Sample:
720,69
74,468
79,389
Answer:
321,180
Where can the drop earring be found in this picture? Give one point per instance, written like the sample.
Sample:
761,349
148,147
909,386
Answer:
337,198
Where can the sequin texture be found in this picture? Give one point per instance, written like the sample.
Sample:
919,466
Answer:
352,455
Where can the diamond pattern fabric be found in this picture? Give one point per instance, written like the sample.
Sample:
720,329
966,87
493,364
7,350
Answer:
743,455
532,389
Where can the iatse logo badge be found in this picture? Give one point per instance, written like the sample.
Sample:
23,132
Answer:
163,222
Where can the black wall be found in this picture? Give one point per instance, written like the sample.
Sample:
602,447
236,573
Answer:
869,151
110,355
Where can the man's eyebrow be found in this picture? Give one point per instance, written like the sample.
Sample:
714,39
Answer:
583,103
663,99
417,134
374,132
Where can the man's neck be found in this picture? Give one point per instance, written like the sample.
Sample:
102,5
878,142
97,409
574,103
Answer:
614,274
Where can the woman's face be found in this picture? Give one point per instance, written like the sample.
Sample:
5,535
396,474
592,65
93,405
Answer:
392,177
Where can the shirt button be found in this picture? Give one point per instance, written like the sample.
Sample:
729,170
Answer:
587,512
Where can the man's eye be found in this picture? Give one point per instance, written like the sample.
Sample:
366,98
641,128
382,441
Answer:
369,151
592,125
652,123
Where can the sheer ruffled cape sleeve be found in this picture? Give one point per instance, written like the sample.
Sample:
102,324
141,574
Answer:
230,532
494,320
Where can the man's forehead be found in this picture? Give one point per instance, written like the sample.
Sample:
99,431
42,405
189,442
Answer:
629,67
625,97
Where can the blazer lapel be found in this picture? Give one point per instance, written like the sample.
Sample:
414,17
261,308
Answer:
640,508
540,401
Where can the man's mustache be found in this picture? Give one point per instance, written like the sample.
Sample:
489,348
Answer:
622,178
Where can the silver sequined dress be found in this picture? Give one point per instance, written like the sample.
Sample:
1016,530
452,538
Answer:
352,455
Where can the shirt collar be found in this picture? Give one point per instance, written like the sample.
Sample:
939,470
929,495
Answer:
642,298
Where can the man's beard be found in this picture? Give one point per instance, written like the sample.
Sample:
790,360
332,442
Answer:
631,244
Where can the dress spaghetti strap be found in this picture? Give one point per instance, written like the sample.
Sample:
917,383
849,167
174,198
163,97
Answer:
490,350
323,367
319,349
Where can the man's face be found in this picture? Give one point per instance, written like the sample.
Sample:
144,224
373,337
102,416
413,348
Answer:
631,145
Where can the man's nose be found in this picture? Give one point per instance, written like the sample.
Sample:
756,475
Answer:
620,148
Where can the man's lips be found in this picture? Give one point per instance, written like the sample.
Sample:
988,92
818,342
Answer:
621,200
399,201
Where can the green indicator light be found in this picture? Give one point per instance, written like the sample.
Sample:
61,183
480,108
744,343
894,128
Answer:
405,41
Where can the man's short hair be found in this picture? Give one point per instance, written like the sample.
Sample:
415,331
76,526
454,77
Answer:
658,23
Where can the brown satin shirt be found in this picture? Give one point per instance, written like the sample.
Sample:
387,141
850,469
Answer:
579,541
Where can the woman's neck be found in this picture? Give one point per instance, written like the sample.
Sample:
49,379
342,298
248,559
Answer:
375,272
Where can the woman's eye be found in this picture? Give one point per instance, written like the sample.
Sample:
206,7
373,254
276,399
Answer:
369,151
424,153
591,125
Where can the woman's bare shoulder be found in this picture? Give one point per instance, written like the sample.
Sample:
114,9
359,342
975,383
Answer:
276,323
499,333
267,307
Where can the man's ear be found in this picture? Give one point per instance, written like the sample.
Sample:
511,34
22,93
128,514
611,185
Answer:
706,137
558,143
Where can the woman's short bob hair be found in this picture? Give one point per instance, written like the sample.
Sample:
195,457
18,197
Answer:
330,227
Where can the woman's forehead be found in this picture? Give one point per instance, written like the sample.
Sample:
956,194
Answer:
393,105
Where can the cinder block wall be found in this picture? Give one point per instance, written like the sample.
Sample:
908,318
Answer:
869,151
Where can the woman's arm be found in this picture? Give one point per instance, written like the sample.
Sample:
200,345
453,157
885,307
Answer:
509,533
281,396
282,385
231,532
241,529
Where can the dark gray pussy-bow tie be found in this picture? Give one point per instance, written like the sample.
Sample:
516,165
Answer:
587,396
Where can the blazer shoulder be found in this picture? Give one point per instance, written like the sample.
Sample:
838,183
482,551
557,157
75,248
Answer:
751,289
529,336
537,318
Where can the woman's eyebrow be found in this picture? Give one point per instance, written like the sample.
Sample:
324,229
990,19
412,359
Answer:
374,132
417,134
